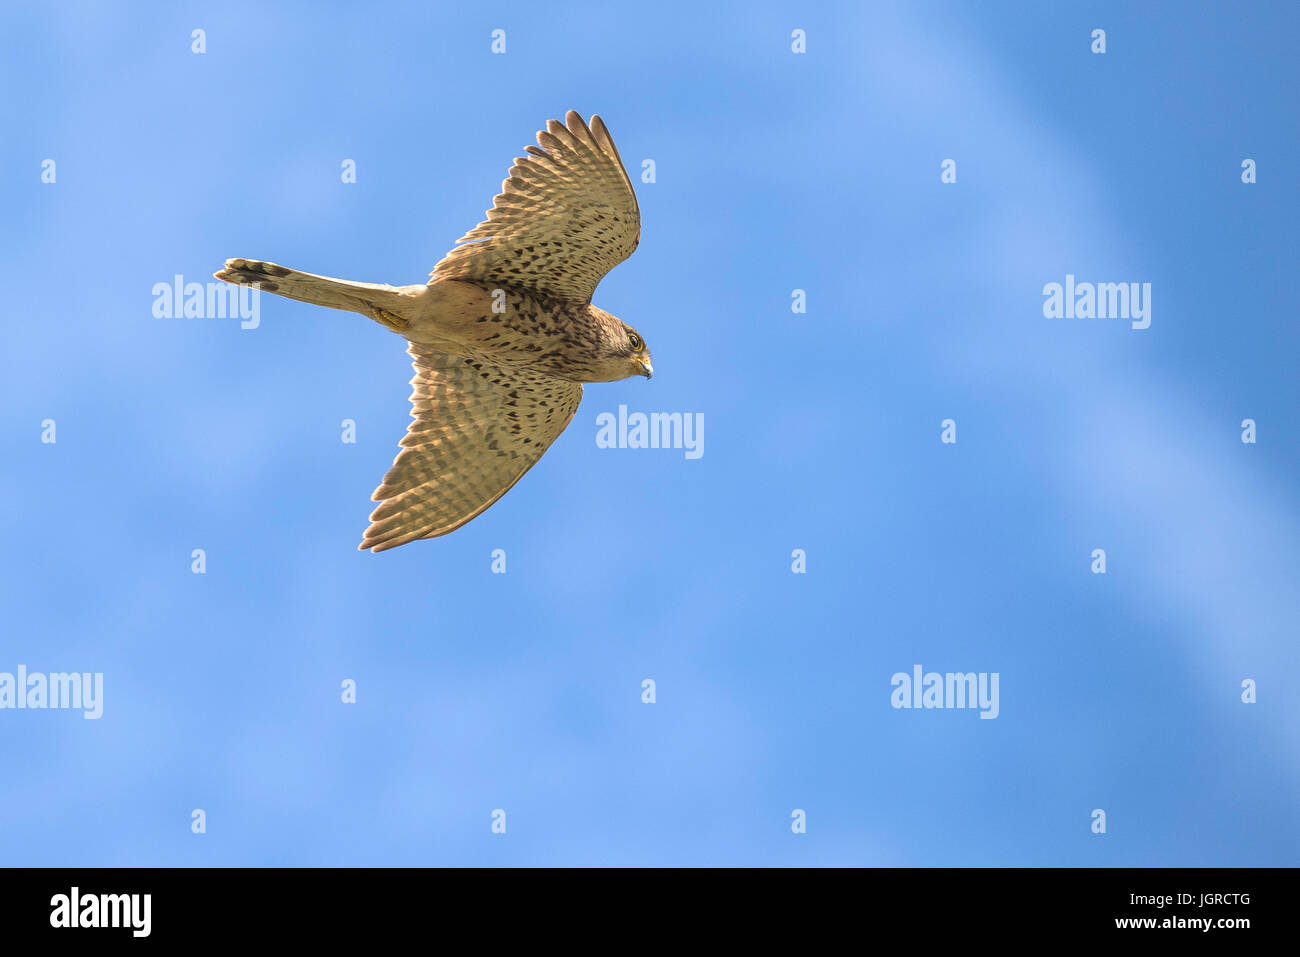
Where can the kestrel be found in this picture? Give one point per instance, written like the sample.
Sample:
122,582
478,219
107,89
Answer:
502,336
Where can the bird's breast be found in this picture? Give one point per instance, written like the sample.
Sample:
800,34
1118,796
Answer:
506,326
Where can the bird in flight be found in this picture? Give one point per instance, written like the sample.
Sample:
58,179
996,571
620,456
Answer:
502,336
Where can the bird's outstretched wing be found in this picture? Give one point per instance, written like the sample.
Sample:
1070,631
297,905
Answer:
566,216
478,428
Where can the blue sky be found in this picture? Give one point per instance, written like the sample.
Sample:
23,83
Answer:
522,692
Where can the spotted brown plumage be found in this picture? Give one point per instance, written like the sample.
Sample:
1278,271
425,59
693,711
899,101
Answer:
565,216
477,429
502,336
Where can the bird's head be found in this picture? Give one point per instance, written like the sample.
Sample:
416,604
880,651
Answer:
620,352
638,353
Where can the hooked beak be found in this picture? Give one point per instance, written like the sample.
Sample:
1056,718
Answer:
647,369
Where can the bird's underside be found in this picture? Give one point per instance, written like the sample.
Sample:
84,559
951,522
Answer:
502,336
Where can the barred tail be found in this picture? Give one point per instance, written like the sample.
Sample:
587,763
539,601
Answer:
385,304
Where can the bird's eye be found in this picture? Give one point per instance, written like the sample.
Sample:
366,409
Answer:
633,338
